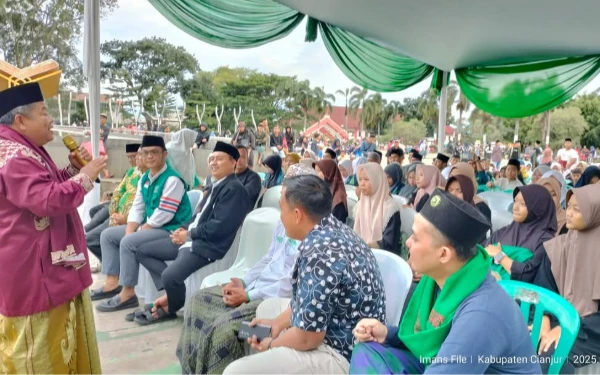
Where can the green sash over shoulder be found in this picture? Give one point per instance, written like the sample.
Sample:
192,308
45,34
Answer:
427,320
517,254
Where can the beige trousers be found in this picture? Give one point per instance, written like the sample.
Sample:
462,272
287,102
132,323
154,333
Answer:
323,360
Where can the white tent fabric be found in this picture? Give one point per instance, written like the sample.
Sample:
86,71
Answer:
460,33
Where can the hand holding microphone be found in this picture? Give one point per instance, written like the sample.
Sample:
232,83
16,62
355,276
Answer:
80,159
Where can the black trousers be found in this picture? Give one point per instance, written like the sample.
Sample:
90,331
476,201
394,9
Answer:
170,277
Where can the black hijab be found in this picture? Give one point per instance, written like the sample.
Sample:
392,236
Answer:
274,162
539,226
586,178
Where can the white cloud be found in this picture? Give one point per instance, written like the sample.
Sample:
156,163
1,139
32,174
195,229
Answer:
136,19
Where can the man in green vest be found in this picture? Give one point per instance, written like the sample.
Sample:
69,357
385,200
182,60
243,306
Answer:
160,206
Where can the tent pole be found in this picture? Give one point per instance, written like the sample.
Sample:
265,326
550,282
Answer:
443,109
93,71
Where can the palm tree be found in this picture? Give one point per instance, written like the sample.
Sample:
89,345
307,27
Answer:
357,100
373,111
323,102
346,94
305,99
463,105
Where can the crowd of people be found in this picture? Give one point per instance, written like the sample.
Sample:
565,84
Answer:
319,288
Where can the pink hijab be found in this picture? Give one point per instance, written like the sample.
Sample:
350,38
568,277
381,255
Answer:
433,178
372,213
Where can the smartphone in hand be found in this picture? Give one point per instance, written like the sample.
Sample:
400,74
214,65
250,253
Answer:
260,331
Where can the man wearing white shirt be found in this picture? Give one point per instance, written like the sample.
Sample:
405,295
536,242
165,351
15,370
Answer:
159,207
209,341
567,156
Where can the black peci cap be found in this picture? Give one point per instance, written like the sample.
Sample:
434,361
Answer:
17,96
461,222
228,149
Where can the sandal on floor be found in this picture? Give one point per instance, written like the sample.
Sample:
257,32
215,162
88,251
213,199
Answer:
146,318
98,294
115,304
138,312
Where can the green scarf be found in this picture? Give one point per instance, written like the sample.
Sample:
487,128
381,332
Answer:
517,254
427,320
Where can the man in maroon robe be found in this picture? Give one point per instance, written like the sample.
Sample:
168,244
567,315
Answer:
44,271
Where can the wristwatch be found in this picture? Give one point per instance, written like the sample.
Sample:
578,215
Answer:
498,257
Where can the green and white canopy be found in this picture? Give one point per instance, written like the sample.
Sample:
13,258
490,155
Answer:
511,58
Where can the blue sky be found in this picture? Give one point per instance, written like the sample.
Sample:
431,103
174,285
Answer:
136,19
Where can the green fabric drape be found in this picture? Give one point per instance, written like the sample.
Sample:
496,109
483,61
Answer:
370,65
231,23
526,89
437,80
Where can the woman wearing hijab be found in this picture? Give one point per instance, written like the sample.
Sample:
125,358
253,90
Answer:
346,170
290,159
461,187
570,269
539,172
275,172
328,170
393,172
590,176
353,179
376,215
308,154
180,156
409,191
464,169
428,178
563,184
553,187
534,222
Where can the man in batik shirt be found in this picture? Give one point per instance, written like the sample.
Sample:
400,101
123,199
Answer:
336,282
115,212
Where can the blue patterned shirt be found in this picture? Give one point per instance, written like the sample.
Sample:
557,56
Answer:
336,283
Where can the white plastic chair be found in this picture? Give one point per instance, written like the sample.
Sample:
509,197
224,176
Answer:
194,282
500,219
407,217
400,200
271,197
351,194
351,204
397,278
146,288
497,200
255,241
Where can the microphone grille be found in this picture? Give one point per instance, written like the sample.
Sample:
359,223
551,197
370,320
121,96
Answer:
70,142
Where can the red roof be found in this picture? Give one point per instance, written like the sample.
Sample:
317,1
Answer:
449,130
337,115
329,128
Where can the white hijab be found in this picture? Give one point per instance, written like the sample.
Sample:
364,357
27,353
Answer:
180,156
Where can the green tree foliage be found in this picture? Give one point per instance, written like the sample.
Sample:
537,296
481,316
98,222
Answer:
564,123
148,69
411,131
589,105
32,31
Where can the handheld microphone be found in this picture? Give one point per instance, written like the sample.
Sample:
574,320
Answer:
73,147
